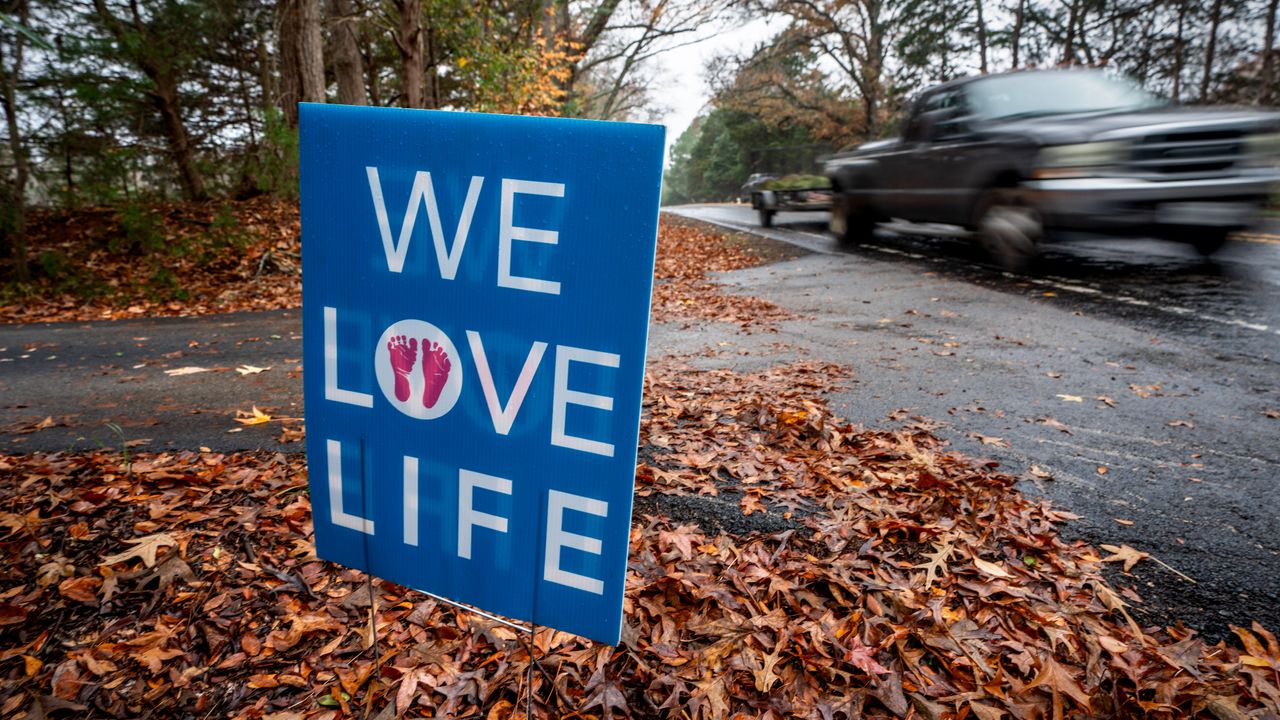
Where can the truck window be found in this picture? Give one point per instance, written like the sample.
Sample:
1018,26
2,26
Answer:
914,131
930,110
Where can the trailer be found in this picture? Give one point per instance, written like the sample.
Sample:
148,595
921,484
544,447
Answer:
793,193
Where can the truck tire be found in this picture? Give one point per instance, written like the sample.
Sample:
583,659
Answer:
1009,228
766,218
850,223
1209,240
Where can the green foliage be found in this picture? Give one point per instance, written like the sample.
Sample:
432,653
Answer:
103,178
224,238
713,158
798,182
278,162
53,263
141,231
225,231
163,285
65,276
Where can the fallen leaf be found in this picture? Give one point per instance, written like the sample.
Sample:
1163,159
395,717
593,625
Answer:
1111,644
750,503
765,676
67,681
1039,472
1224,707
190,370
155,656
991,568
263,681
1070,398
251,369
1144,391
1059,680
1181,423
1055,424
257,417
985,712
82,589
31,666
989,440
299,626
937,561
1123,521
1125,554
863,657
12,614
144,548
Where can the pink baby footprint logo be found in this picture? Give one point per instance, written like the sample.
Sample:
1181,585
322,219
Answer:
403,347
403,355
435,371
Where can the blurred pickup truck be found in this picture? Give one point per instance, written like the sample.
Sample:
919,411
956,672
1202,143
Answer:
1017,156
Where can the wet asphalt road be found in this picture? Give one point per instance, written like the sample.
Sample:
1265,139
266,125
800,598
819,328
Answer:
1137,358
104,384
1139,376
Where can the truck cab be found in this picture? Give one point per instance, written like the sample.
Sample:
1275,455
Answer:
1017,156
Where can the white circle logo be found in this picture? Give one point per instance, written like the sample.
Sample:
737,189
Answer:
418,369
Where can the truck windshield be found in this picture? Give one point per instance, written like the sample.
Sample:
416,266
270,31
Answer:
1055,93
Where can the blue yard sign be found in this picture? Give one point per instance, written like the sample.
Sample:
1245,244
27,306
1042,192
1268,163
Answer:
475,310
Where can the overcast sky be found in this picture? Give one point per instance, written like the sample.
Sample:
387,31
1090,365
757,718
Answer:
683,88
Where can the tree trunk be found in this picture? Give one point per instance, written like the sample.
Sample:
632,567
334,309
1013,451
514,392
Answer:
301,56
290,89
431,61
164,95
1142,71
311,51
1016,39
16,231
590,35
68,198
166,101
1214,20
1178,43
371,72
1069,47
871,83
348,65
409,42
1266,94
266,75
982,39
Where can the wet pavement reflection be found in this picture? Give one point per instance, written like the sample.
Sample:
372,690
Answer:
1232,297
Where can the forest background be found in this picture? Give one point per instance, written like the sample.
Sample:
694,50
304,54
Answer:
113,106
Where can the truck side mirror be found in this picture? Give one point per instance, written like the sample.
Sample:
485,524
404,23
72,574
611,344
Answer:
951,127
926,126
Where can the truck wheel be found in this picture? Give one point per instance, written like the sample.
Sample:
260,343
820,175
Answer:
1209,240
766,218
850,226
1009,229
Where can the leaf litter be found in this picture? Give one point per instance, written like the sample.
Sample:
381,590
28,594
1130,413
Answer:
908,581
174,259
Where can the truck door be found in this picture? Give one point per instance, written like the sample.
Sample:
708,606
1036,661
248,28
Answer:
937,171
896,181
